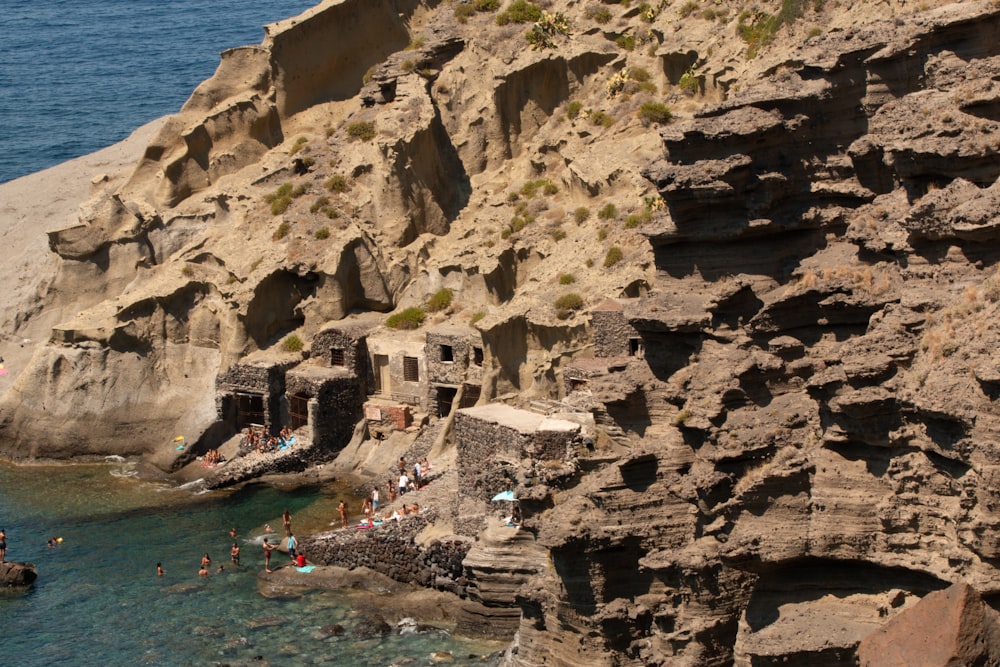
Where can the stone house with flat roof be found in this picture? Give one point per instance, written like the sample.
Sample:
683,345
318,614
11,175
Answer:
494,440
454,358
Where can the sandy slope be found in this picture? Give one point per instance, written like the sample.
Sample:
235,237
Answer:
30,206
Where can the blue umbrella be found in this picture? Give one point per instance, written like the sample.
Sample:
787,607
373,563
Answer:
505,495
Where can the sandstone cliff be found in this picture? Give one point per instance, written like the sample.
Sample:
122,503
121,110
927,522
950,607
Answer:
806,251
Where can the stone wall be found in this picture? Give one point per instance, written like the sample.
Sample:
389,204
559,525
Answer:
351,343
461,366
266,379
336,410
611,331
391,549
487,456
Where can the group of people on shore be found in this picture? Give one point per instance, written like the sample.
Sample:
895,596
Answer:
394,488
212,457
254,440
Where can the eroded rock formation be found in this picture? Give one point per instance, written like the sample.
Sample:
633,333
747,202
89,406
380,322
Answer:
793,386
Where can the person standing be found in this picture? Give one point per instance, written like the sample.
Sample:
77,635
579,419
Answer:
292,544
268,548
234,554
416,474
375,499
286,521
342,508
404,483
3,545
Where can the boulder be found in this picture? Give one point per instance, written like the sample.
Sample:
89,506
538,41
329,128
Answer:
949,627
15,576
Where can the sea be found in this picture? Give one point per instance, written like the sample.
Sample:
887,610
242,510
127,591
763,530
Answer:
77,76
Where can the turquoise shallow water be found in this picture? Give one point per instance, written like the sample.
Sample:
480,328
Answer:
98,600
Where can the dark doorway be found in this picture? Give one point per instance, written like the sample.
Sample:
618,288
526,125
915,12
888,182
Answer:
249,410
445,399
298,411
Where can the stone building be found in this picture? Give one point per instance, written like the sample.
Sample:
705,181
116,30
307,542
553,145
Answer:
345,345
613,335
398,367
454,357
253,392
494,440
327,401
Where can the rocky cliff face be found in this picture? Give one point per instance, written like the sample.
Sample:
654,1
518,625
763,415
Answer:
806,252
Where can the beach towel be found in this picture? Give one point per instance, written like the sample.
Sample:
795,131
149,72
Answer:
307,569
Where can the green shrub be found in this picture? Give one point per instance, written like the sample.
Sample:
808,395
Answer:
602,234
476,316
639,74
638,219
567,303
411,318
613,256
300,190
319,204
688,8
361,130
626,42
322,233
573,109
557,234
654,112
689,82
581,214
602,119
520,11
331,213
599,15
284,190
280,205
408,66
187,271
292,343
337,183
608,212
297,146
417,43
440,300
588,262
486,5
758,28
566,279
282,231
463,12
530,188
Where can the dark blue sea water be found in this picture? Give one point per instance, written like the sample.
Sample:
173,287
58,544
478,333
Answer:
79,75
99,601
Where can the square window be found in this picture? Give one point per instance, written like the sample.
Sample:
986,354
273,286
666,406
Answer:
337,357
411,369
447,353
